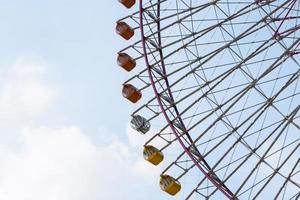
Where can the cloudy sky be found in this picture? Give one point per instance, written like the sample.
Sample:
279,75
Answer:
64,131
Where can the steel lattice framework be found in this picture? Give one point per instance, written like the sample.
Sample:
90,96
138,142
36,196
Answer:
224,76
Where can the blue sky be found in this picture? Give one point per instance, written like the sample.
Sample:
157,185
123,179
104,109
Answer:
64,125
64,132
77,39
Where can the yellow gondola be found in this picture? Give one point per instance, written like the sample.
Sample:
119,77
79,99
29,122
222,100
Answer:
153,155
169,184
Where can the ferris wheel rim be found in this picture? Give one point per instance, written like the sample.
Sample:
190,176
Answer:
220,186
178,72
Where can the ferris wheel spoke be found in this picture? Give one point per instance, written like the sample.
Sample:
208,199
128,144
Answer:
237,14
252,55
236,129
239,55
285,183
246,155
253,87
267,150
246,159
295,197
172,73
246,135
274,173
244,91
226,80
219,24
185,172
245,108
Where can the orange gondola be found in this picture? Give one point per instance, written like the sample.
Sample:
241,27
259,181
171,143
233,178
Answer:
124,30
125,61
131,93
127,3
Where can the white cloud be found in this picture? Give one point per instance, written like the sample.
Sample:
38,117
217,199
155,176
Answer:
24,93
62,163
44,164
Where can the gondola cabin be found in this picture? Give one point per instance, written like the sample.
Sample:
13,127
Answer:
127,3
153,155
131,93
169,185
140,124
124,30
125,61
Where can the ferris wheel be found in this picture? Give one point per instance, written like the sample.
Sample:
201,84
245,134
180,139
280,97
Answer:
218,88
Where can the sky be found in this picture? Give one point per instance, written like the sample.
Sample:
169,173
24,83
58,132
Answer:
64,132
